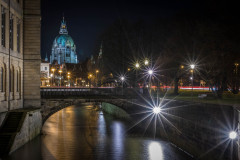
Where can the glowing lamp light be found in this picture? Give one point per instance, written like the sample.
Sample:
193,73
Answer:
233,135
122,78
192,66
150,72
146,62
156,110
137,65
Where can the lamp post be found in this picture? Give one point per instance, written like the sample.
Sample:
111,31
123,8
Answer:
60,71
150,72
97,71
68,75
90,77
192,66
146,62
68,80
181,67
51,75
122,79
236,65
53,70
137,65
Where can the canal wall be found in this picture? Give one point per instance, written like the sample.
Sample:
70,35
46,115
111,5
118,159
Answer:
115,111
199,129
30,128
2,117
237,111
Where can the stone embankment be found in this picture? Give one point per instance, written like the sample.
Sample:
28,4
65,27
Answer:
199,129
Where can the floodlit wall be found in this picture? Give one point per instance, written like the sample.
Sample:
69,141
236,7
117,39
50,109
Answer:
11,32
32,55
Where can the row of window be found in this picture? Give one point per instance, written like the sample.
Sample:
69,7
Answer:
11,30
13,78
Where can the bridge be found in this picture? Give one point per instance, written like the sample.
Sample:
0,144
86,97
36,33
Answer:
202,126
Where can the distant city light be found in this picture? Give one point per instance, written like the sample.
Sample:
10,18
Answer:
122,78
233,135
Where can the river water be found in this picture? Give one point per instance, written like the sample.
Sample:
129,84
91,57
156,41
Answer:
84,133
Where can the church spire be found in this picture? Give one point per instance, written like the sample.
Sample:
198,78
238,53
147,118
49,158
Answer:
46,58
101,51
63,28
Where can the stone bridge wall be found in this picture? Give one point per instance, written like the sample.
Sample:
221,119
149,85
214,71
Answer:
51,106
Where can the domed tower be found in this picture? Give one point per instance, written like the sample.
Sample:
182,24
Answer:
63,48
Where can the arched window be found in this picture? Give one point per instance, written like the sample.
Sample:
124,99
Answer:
18,81
11,80
17,87
68,51
1,79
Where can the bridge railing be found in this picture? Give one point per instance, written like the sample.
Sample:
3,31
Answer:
45,92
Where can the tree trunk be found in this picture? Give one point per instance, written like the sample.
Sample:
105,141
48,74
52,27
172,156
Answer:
176,80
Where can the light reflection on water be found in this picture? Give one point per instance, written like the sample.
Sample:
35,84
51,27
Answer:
155,151
81,132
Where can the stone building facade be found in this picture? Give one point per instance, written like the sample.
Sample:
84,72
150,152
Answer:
11,32
45,70
20,72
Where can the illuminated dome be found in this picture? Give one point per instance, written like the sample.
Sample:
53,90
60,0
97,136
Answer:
64,40
64,48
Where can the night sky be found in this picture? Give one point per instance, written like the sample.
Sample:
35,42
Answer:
86,20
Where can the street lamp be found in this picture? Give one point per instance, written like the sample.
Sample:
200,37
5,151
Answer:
97,71
51,75
181,69
146,62
137,65
233,135
90,77
53,70
150,72
236,65
156,110
192,66
60,71
122,79
68,80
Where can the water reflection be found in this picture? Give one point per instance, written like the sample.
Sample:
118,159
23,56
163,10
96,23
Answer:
118,139
82,132
155,151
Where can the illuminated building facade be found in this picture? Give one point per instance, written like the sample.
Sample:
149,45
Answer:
64,48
